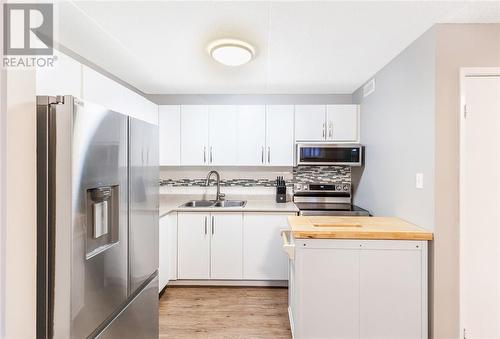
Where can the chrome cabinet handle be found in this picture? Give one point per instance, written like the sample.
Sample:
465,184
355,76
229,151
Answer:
204,154
268,155
213,225
211,154
262,154
330,130
206,225
324,130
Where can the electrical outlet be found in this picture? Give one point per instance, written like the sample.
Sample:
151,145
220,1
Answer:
419,180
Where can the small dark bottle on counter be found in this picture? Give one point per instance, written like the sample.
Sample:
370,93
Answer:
280,190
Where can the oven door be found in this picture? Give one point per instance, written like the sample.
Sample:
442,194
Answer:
329,154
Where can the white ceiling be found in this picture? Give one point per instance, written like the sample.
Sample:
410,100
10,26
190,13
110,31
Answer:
302,47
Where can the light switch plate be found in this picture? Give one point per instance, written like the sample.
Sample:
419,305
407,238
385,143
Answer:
419,180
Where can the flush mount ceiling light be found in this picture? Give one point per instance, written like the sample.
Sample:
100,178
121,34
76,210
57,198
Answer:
231,52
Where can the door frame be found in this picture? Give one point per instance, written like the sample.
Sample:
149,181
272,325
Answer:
465,72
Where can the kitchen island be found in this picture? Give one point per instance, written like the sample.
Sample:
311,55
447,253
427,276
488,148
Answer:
357,277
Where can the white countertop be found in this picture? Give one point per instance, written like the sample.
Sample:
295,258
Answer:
171,203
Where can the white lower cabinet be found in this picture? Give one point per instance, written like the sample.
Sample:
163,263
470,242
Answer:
209,245
193,242
263,258
231,246
391,293
358,289
226,260
167,263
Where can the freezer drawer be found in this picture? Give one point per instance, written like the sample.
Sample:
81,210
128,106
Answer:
139,320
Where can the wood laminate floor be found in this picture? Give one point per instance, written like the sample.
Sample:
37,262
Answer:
224,312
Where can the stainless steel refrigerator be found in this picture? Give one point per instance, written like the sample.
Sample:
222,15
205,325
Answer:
97,222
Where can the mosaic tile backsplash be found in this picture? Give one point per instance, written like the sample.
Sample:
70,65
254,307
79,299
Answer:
322,174
301,174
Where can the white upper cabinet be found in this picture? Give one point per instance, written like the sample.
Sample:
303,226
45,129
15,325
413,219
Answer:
331,123
279,135
343,123
108,93
251,135
223,123
194,135
310,122
169,121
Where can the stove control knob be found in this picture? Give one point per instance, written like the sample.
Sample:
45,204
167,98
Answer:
338,188
346,187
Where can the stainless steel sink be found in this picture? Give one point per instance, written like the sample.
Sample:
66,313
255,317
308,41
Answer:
199,203
214,203
230,203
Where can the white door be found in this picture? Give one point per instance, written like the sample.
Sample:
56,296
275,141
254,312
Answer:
251,135
342,123
310,122
169,125
279,135
390,301
263,255
193,258
480,208
223,122
226,245
194,135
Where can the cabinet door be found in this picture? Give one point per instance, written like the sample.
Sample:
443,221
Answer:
194,135
310,122
326,292
251,135
279,135
226,245
263,256
163,254
170,135
223,122
343,123
391,294
193,258
167,268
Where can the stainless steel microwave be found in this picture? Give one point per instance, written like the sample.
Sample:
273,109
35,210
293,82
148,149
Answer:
329,154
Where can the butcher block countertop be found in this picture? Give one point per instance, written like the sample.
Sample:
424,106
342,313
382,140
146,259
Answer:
377,228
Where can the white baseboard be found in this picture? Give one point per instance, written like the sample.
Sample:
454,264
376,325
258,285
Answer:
250,283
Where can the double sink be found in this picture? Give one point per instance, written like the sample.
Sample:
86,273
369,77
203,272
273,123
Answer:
215,203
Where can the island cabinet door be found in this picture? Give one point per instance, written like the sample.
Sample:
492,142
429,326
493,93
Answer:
393,295
326,292
193,241
226,245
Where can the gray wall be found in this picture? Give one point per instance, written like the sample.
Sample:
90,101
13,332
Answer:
249,99
397,128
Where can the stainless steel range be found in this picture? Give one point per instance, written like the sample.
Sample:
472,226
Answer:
326,199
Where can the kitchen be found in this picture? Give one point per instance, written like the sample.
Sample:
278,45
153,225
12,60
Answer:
235,182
